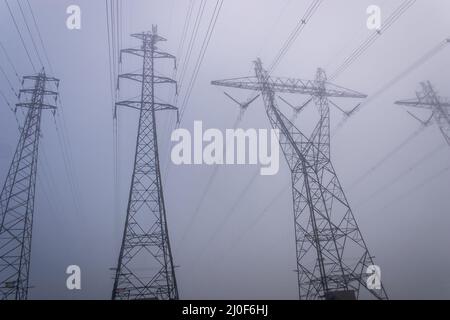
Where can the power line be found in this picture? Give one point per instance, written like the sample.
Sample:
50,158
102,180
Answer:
232,210
119,24
49,179
200,203
417,187
402,174
6,100
293,36
30,33
388,156
353,57
20,35
295,33
315,192
276,21
259,217
116,118
311,10
65,157
357,53
291,39
40,37
204,48
43,185
63,138
8,80
10,107
191,44
65,146
185,28
181,45
113,37
111,67
10,62
198,64
423,59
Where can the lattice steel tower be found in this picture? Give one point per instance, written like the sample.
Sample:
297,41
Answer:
332,257
145,268
17,197
428,99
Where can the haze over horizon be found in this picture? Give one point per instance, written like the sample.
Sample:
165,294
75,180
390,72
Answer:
236,241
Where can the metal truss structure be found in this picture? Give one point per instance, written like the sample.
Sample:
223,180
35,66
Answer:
428,99
18,193
332,257
145,268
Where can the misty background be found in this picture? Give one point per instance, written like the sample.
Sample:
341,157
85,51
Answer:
237,240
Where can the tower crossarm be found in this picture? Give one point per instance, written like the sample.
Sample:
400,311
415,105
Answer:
290,85
156,54
32,105
44,92
145,35
42,77
423,104
139,78
137,105
427,98
18,193
145,268
331,254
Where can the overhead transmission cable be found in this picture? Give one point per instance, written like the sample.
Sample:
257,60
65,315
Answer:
62,138
423,59
283,51
199,60
190,46
201,56
113,28
38,55
416,64
357,52
10,62
403,174
20,35
388,156
295,33
40,37
416,187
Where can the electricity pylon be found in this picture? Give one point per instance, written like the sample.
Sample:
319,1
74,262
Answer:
332,257
428,99
17,196
145,268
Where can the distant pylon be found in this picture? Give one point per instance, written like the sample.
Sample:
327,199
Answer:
332,257
17,196
145,268
427,98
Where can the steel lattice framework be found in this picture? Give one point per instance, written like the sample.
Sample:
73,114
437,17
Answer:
145,268
427,98
332,257
18,193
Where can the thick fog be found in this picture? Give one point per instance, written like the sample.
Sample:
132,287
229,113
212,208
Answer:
232,235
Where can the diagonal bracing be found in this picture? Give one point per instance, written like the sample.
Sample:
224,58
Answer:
145,267
18,193
428,99
332,257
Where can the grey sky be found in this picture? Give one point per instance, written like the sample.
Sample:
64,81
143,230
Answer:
407,234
